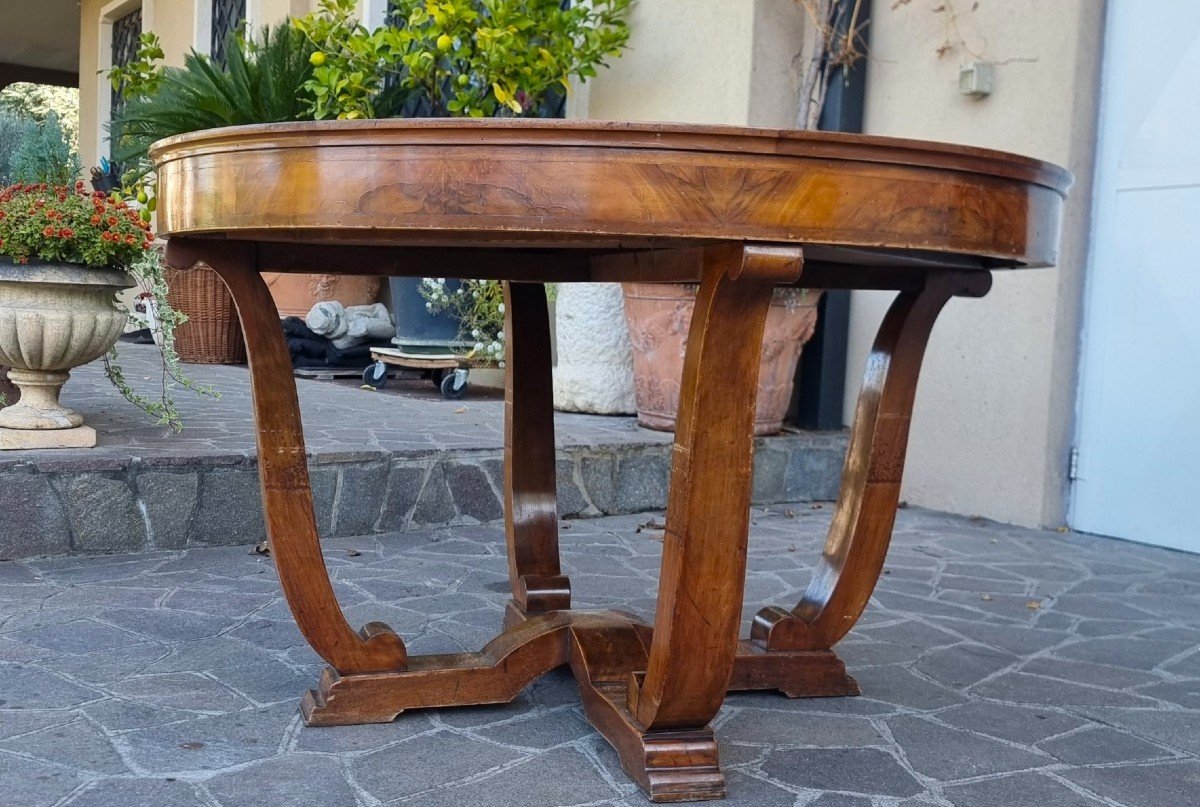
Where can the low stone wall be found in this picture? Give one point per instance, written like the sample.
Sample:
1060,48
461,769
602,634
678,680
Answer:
111,504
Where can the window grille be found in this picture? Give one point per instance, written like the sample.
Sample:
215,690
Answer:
126,32
227,18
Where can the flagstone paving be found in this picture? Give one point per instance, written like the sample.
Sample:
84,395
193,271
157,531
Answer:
1000,667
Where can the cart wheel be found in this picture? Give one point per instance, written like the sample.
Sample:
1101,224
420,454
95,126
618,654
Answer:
436,377
376,375
454,385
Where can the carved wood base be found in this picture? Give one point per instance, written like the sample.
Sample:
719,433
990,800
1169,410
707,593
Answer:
607,651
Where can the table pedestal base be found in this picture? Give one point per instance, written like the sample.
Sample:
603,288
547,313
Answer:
652,692
606,651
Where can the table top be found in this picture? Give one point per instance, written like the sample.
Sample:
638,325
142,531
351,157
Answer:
602,186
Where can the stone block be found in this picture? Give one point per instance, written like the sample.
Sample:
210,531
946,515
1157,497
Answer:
770,470
641,480
814,473
472,491
360,502
31,439
169,501
571,499
230,508
435,504
323,479
33,521
598,472
404,482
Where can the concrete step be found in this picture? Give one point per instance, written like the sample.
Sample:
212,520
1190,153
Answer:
379,463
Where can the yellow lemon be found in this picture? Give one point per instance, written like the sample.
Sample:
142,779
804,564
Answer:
444,43
317,59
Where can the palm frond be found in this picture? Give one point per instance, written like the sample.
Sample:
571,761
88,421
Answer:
260,83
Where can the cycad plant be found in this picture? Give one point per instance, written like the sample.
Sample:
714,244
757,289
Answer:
260,83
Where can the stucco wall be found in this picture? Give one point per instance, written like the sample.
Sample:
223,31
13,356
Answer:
704,61
993,426
175,23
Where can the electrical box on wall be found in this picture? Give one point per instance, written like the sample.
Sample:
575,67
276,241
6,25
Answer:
976,79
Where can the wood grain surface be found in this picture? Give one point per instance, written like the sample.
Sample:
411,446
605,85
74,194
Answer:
575,184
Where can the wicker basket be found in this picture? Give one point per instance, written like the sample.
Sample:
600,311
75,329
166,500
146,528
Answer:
212,334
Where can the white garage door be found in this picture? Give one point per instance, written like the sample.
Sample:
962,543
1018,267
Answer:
1138,462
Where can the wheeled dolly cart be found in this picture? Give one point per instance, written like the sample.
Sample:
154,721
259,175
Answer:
447,371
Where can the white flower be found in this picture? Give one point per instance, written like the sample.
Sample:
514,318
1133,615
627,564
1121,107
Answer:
428,306
500,308
479,346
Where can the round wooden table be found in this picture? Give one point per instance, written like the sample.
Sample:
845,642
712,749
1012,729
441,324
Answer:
740,211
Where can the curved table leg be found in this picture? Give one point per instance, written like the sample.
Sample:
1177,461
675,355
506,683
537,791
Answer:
283,469
530,496
866,508
658,719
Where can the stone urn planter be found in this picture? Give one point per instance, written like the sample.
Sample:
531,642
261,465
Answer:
53,317
659,315
594,372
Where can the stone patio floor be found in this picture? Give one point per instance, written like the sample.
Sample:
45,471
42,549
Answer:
999,667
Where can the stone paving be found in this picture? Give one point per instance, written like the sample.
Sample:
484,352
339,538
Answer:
395,460
1000,667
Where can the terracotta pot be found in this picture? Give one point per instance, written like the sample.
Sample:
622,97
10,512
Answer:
659,315
295,295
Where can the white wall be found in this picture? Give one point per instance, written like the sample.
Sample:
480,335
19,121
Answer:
704,61
992,429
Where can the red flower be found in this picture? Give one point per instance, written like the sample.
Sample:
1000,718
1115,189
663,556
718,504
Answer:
112,221
79,184
95,219
66,232
131,239
48,232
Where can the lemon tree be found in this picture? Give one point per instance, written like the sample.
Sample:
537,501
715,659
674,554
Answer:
476,58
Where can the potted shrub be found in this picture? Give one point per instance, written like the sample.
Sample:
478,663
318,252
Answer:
64,254
659,315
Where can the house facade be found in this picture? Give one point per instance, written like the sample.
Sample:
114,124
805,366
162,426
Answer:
1061,397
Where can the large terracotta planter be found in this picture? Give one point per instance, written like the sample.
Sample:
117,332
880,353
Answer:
53,318
295,295
659,315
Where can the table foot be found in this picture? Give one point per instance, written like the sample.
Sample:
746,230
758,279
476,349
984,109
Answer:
669,765
508,664
678,764
797,674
